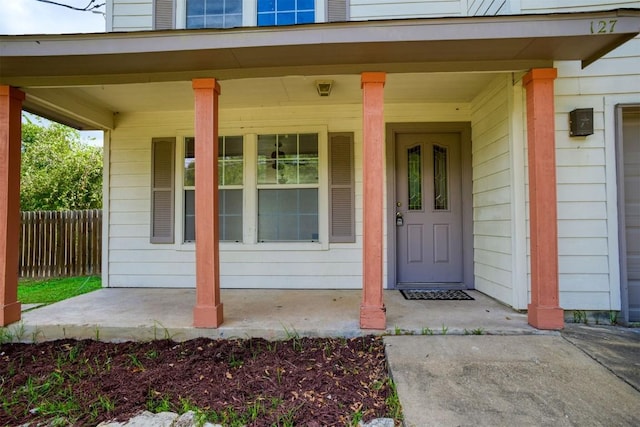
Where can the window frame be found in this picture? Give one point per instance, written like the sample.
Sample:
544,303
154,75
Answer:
223,15
249,13
250,190
186,188
285,186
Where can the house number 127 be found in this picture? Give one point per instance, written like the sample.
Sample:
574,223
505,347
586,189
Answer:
603,27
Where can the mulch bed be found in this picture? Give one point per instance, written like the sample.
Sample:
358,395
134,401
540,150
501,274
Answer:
301,381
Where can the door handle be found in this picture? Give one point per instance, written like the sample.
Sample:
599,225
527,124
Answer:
399,219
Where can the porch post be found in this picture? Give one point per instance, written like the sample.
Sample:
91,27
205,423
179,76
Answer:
10,142
207,312
544,311
372,309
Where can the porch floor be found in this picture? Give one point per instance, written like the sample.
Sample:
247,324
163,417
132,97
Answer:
118,314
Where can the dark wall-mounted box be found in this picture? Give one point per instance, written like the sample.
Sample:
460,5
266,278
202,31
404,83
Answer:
581,122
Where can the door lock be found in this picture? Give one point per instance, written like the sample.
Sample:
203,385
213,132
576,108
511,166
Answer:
399,219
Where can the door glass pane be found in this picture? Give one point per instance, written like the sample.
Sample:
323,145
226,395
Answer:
414,160
440,179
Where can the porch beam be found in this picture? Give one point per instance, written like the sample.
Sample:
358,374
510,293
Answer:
68,108
372,309
544,311
10,140
207,312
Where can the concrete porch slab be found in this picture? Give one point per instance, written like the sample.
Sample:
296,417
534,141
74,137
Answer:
119,314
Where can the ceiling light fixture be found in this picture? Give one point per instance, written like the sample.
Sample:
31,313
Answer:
324,87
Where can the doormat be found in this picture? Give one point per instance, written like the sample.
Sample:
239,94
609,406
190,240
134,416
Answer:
431,294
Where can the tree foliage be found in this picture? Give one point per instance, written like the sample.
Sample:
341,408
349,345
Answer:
58,171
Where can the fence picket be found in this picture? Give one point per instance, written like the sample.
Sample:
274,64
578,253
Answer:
64,243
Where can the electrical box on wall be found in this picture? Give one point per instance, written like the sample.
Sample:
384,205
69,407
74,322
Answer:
581,122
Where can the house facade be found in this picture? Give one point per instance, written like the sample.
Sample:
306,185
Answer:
354,145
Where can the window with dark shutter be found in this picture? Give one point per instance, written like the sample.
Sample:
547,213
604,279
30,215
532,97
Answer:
162,187
341,188
163,15
337,10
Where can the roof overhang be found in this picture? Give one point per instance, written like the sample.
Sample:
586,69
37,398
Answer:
54,69
415,45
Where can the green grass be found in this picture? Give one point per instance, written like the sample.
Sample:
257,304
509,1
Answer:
48,291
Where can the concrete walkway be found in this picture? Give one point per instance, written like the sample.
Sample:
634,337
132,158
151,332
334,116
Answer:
514,380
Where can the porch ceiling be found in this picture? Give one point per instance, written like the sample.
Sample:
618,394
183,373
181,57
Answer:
272,91
84,79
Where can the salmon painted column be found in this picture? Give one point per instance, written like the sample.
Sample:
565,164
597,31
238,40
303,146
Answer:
207,312
544,310
10,141
372,309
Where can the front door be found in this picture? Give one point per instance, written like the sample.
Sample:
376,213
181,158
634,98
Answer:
428,210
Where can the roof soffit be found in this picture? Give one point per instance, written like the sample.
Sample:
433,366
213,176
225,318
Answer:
415,45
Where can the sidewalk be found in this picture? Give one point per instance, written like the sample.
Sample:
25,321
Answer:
527,380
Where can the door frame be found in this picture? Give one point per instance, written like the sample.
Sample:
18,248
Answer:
622,226
464,130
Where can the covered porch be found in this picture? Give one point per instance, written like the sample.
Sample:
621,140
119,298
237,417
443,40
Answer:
110,81
143,314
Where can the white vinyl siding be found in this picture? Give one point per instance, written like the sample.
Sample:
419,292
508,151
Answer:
492,205
361,10
588,260
130,15
135,262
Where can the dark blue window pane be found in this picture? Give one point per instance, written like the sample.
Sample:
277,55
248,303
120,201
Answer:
215,7
233,21
195,22
214,21
195,7
286,5
286,18
266,19
266,6
233,6
306,4
306,17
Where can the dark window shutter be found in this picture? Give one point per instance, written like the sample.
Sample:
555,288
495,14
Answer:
337,10
342,227
164,15
162,185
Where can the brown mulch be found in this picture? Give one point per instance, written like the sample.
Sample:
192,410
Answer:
301,381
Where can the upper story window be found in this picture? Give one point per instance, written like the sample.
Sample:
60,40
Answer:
214,13
285,12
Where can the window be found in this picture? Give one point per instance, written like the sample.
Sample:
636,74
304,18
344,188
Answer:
285,12
214,13
230,184
288,187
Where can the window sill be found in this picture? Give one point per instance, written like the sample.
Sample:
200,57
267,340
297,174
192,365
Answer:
263,246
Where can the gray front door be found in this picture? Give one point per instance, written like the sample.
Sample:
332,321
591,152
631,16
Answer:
428,210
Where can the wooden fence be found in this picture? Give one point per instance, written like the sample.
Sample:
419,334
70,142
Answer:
59,244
